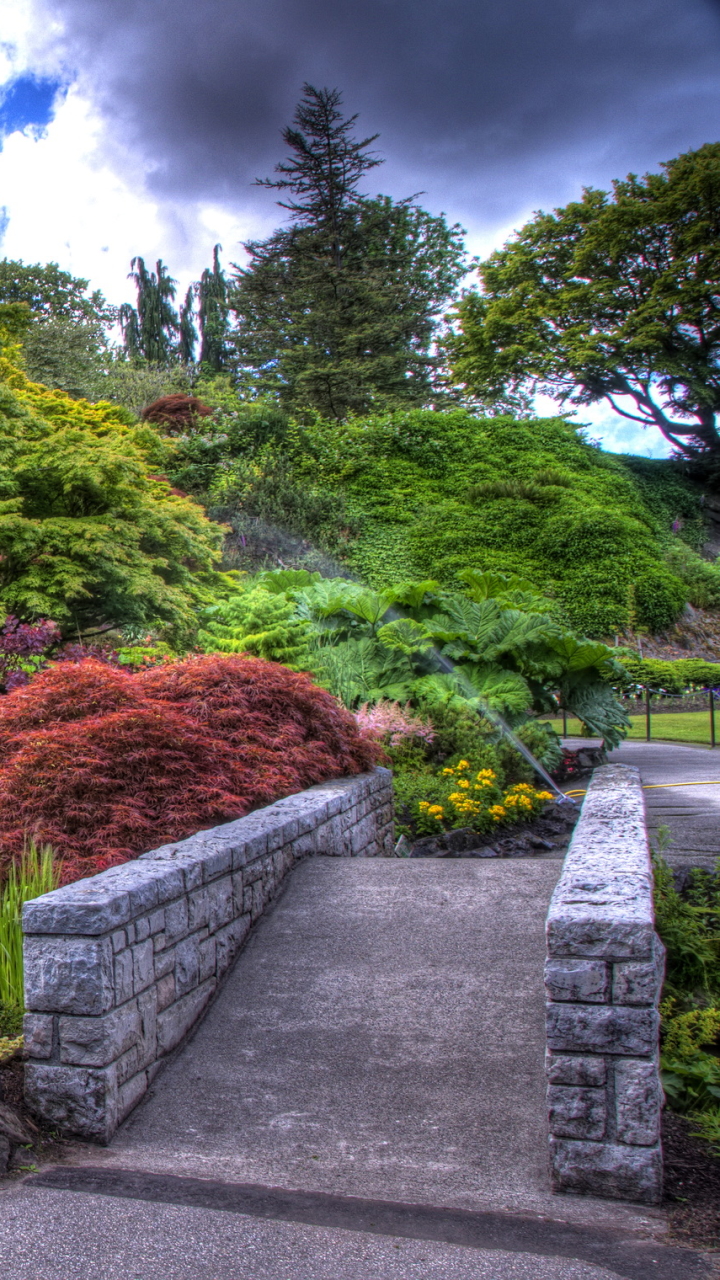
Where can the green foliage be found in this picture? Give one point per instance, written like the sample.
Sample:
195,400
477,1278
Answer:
151,328
35,873
88,536
400,495
416,643
672,677
336,312
689,925
259,622
614,297
50,292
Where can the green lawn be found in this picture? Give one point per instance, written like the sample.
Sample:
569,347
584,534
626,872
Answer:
671,726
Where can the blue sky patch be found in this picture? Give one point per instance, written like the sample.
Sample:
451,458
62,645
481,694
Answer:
27,104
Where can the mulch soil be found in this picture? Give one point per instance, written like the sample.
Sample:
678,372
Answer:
47,1149
692,1184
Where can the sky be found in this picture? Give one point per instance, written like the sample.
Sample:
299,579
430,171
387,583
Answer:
138,126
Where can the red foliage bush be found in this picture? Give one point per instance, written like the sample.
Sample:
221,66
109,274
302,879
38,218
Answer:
104,764
177,412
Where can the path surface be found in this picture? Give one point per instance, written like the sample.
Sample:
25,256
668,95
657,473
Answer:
692,813
364,1101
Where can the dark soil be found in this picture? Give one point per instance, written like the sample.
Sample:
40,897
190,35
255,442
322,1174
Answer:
47,1147
548,836
692,1184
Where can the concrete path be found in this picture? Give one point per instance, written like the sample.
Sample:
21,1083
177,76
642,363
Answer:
364,1101
692,813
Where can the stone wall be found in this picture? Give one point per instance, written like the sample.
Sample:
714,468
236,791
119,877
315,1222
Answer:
120,966
603,979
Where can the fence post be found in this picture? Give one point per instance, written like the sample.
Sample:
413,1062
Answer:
564,723
712,716
647,714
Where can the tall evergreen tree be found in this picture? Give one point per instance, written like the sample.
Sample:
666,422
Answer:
188,332
336,312
151,328
213,315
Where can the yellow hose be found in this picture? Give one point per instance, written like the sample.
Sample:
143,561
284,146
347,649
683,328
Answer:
658,786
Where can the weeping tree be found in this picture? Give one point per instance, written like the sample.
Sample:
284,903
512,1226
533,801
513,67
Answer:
152,327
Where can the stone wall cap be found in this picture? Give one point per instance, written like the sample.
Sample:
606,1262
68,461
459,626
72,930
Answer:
103,902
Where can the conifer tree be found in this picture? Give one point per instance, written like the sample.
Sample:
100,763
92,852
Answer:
213,315
150,329
336,312
188,332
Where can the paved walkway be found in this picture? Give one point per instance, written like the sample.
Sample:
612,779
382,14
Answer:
692,813
364,1101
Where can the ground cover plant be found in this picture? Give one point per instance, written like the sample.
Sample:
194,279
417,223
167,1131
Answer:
103,763
689,924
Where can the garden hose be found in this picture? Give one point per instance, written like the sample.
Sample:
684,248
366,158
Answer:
658,786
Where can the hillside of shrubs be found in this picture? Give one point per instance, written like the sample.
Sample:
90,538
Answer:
614,542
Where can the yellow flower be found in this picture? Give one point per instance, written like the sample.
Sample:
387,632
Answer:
448,773
485,773
496,812
543,795
463,764
424,804
525,802
522,786
434,809
463,782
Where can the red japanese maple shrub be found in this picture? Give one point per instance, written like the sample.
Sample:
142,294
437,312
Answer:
138,759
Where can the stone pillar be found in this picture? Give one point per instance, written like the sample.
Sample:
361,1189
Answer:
603,979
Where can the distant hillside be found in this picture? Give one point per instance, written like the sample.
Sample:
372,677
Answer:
425,494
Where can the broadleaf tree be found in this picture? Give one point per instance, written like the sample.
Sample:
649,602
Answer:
615,296
336,312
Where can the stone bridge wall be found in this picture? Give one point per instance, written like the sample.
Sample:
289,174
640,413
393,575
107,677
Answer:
120,966
603,979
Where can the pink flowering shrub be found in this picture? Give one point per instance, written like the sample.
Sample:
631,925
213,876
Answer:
392,724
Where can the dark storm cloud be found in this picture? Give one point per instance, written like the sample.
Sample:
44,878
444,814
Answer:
491,107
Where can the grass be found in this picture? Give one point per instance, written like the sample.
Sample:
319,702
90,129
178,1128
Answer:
670,726
33,875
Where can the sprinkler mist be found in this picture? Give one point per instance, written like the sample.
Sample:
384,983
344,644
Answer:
268,545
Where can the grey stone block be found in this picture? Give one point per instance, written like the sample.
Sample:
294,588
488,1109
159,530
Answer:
174,1023
187,965
165,991
221,905
123,976
156,922
96,1042
206,960
590,1072
68,975
578,980
38,1034
576,1112
282,834
119,940
638,1102
607,1169
143,965
142,929
228,942
164,962
198,908
602,1029
176,920
130,1093
86,907
81,1101
640,982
